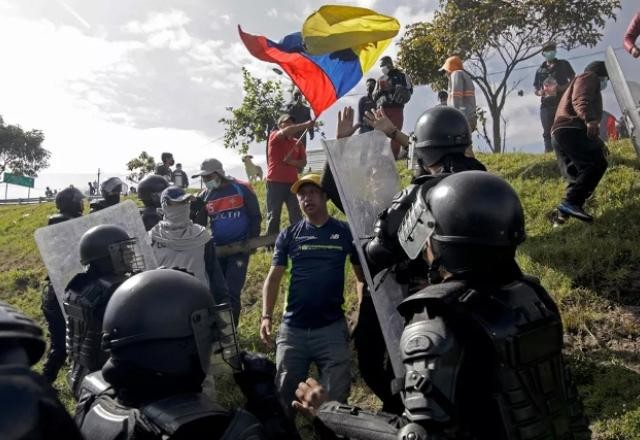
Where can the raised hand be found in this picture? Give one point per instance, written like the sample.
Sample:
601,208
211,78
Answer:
346,127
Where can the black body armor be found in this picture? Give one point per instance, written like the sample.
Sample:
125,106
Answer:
487,363
85,301
99,204
59,218
480,364
151,216
184,416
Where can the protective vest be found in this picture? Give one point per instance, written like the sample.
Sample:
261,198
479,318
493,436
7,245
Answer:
191,415
85,300
488,362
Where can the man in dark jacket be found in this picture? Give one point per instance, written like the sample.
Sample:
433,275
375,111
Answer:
365,104
300,113
392,92
70,204
552,79
580,152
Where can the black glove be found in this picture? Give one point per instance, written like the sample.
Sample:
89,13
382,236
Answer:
257,378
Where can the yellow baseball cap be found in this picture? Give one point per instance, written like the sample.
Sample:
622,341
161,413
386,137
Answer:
309,178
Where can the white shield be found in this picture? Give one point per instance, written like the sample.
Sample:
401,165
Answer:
366,177
59,244
629,104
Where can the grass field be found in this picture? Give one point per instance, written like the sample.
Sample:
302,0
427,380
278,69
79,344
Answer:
593,272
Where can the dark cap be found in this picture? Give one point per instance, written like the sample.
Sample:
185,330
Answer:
175,194
549,46
597,67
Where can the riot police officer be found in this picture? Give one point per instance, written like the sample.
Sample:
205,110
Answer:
110,190
159,329
149,190
70,203
111,257
29,408
481,345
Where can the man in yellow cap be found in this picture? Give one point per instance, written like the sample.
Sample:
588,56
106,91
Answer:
313,328
462,92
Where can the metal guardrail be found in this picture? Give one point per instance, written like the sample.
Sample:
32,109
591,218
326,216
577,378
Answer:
34,200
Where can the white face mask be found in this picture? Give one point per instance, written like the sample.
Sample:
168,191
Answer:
212,184
385,70
604,82
177,214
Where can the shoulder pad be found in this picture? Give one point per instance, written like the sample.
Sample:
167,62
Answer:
174,412
78,281
244,426
444,293
94,384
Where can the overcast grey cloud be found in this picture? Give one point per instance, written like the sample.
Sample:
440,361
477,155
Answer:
105,79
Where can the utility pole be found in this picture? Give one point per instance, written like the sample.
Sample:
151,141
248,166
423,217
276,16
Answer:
98,184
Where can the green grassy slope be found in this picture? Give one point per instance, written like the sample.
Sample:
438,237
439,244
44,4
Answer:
591,270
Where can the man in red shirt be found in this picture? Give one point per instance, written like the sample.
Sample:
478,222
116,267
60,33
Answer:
285,156
630,37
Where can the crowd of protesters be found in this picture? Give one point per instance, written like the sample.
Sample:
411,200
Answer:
190,231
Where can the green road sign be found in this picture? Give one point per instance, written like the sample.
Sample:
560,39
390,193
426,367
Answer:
18,180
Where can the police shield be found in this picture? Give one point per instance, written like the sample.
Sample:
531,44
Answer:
629,104
366,178
59,244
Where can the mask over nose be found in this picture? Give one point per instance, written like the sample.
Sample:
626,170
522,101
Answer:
212,184
549,55
385,70
176,214
604,82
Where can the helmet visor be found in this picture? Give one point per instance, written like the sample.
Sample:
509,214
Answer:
125,257
214,332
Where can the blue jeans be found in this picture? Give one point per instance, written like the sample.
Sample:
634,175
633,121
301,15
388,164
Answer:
234,268
327,347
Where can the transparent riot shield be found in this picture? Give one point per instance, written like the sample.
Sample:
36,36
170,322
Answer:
59,244
366,177
629,105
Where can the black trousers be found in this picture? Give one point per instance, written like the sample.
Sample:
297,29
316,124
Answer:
57,331
582,162
547,115
373,361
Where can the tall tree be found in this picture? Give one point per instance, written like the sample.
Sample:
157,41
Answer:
140,166
21,151
494,37
256,116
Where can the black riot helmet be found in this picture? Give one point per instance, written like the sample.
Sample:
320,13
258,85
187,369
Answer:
111,186
150,188
16,330
473,219
165,321
110,249
440,131
69,202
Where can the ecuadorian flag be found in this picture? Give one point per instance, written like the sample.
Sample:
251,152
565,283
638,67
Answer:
346,41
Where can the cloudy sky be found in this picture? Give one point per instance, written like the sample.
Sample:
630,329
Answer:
106,79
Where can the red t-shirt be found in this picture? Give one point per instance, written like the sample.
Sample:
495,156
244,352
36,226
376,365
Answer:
279,147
